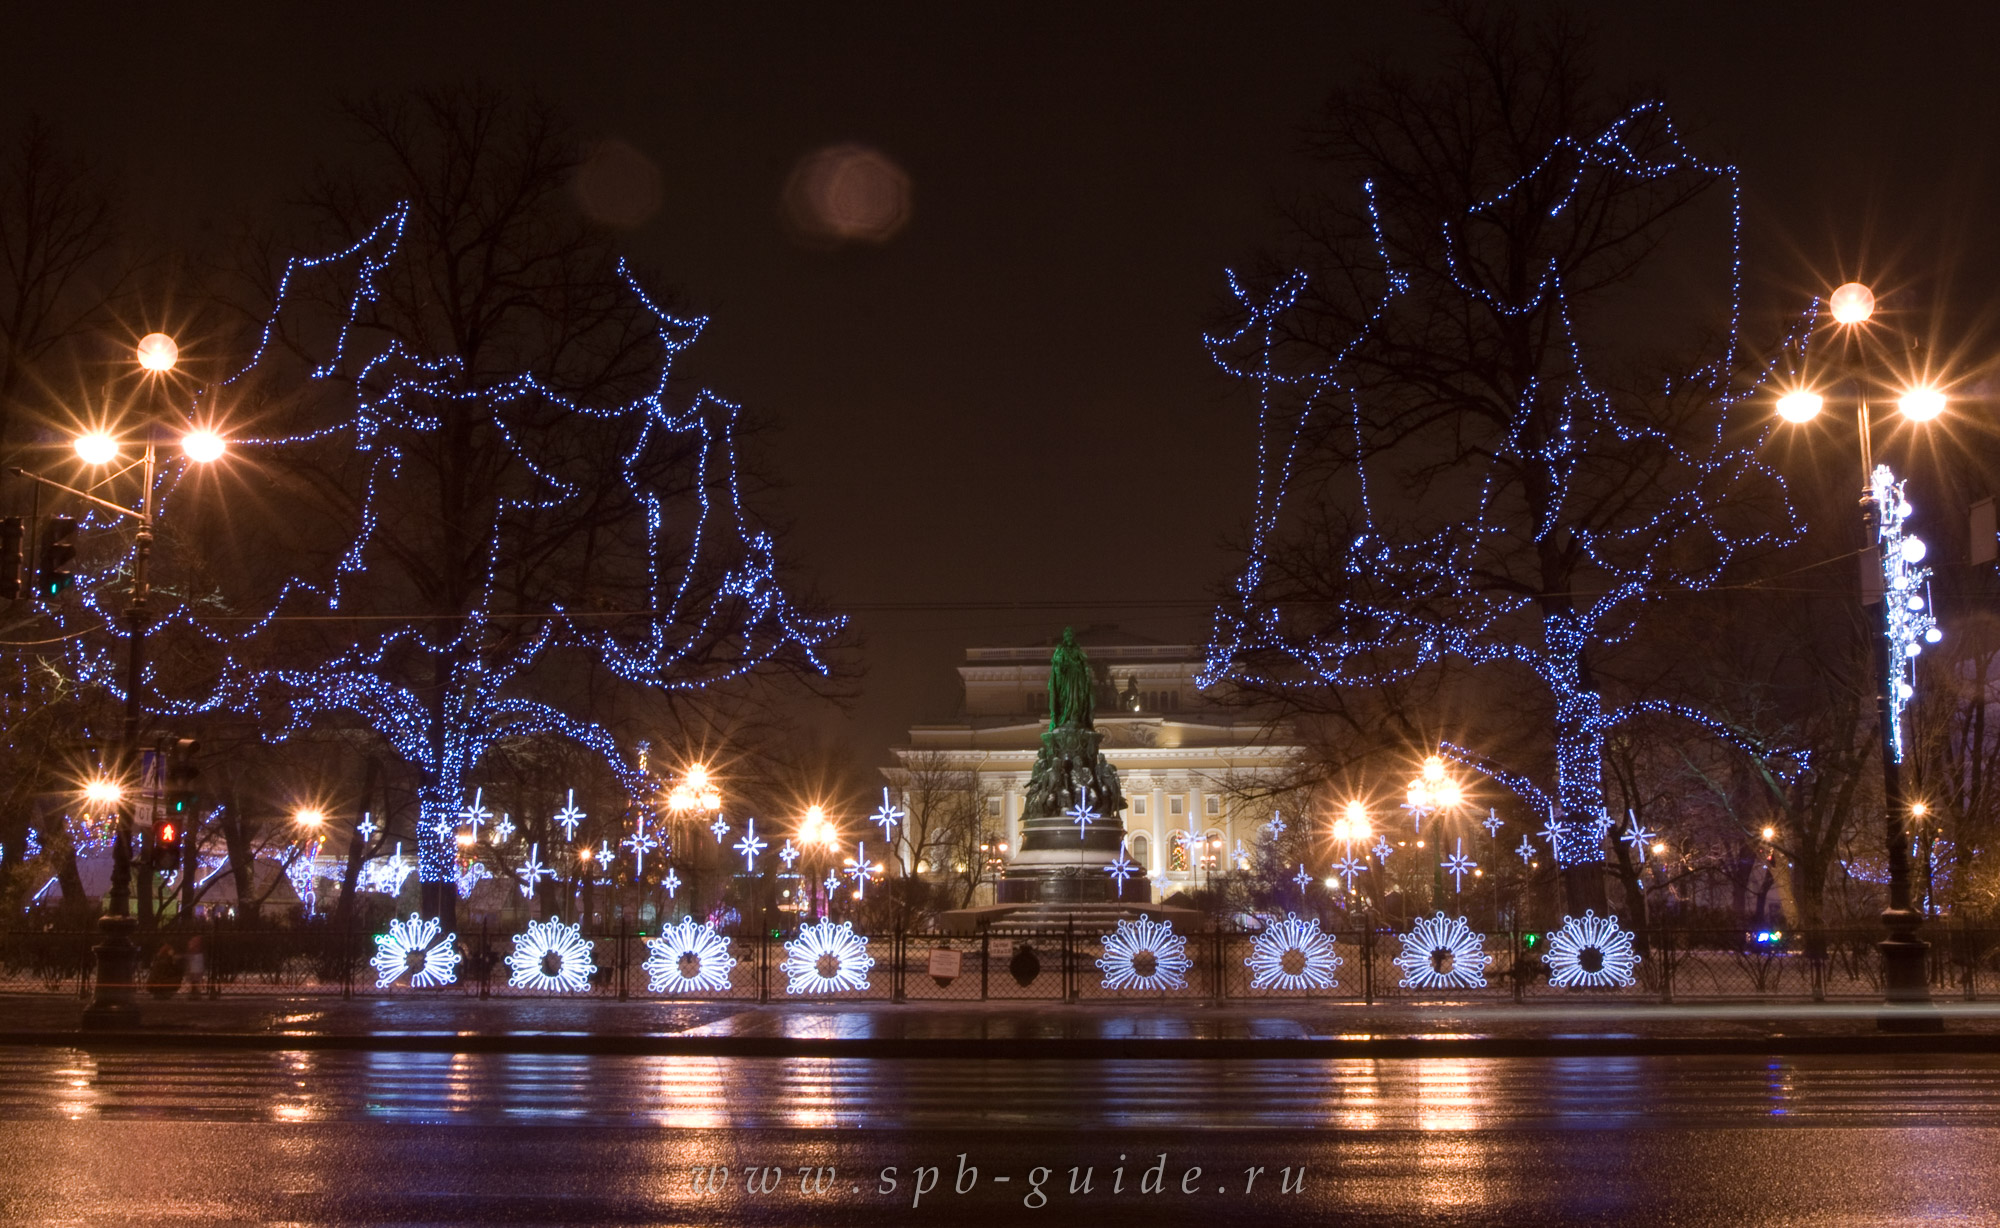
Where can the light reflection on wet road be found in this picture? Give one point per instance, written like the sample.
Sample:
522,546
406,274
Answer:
205,1137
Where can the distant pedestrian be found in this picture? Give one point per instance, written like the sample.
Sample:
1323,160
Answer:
197,965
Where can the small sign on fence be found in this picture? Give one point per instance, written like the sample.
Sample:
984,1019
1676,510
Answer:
945,965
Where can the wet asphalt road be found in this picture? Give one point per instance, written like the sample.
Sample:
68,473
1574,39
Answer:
340,1137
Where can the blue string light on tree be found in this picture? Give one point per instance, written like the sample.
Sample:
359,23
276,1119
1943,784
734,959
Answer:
414,947
386,403
688,958
1536,462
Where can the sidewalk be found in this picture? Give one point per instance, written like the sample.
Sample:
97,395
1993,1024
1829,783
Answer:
449,1022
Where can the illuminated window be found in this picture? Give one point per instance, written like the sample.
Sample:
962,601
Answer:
1213,805
1139,848
1175,804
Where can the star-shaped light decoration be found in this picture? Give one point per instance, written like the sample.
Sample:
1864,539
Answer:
475,815
1602,826
1241,858
1550,830
1349,869
1639,838
1302,878
1458,865
720,827
640,842
750,846
789,853
831,883
860,869
1121,869
604,853
503,831
671,881
1382,849
569,817
888,816
1527,849
1277,824
367,827
1082,815
1492,823
532,870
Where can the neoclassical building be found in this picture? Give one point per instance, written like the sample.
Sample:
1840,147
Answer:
1195,774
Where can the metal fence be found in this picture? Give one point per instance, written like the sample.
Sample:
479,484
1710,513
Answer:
1219,964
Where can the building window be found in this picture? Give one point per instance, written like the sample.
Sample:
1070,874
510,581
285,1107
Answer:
1175,803
993,806
1140,848
1213,805
1139,806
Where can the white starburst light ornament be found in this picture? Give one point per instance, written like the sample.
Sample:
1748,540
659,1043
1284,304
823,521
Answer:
503,831
1277,824
640,842
1638,837
720,827
1122,868
551,956
888,816
1591,953
569,817
827,958
1145,954
671,881
1551,830
367,828
1293,954
1082,815
1458,865
1349,869
414,947
1492,823
750,846
831,882
688,958
861,868
1302,878
1442,952
532,871
1527,849
475,815
1382,849
789,853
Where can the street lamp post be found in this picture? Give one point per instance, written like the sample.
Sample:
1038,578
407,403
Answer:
114,999
1905,977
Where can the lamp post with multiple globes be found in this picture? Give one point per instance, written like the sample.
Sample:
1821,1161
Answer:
1904,975
114,1000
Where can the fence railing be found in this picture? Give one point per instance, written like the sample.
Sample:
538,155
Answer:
997,965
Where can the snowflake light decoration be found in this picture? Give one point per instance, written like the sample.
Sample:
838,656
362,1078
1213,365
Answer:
671,881
1082,815
1277,824
640,842
750,846
569,817
1492,823
503,831
1638,837
860,868
475,815
1303,878
1293,954
1240,857
367,828
831,882
827,958
1442,952
688,958
385,874
888,816
533,871
604,853
1526,849
1145,954
1551,830
1458,865
551,956
1122,868
720,827
414,947
1382,849
1348,868
789,853
1592,953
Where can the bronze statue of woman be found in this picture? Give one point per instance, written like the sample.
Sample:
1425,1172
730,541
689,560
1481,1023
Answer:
1072,693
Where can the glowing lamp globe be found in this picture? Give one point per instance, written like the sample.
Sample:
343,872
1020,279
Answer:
97,448
1852,303
1800,406
157,352
103,792
1921,404
311,818
202,446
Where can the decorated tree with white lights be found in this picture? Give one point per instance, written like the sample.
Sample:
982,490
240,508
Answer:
467,504
1463,475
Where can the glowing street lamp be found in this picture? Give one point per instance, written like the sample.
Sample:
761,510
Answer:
310,817
102,792
96,448
157,352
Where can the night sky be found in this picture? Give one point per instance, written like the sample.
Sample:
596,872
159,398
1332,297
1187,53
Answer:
1001,418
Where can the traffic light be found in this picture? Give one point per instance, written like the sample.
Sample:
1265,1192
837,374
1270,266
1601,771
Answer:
167,835
58,555
11,530
180,780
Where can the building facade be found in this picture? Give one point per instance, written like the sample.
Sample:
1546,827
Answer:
1197,776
